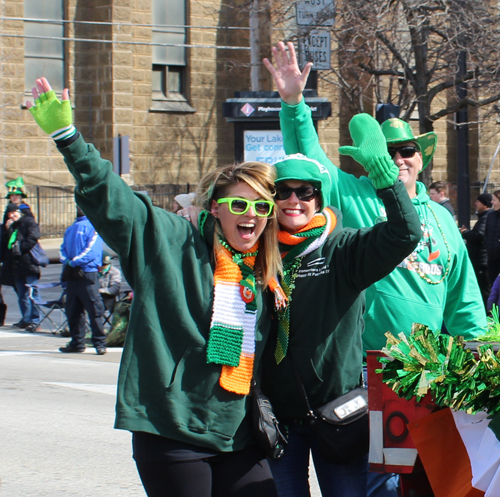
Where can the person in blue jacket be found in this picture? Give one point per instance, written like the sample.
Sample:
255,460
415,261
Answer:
81,255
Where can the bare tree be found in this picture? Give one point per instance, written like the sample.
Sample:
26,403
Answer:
407,52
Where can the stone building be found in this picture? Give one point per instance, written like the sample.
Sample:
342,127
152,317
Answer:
166,99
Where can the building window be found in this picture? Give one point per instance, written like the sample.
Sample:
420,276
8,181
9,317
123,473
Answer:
169,63
168,82
44,57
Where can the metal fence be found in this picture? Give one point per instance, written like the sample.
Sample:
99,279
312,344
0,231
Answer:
55,209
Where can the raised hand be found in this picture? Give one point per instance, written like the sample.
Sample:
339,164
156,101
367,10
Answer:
370,150
52,115
289,79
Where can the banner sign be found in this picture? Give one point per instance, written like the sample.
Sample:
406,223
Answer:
263,146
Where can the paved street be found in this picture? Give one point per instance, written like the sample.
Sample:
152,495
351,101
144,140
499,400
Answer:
57,413
56,430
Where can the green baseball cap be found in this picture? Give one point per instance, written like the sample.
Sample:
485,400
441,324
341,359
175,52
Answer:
398,131
16,187
301,168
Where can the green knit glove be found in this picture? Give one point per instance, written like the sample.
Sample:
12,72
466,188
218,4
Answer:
370,150
53,116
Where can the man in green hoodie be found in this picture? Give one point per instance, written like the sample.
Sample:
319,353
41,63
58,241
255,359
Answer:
434,284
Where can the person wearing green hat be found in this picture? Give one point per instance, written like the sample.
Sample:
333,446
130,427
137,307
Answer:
318,337
436,282
16,193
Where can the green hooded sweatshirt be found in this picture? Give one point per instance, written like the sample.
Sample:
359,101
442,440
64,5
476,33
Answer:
327,304
165,385
410,294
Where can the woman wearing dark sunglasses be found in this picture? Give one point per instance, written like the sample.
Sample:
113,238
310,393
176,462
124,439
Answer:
318,337
198,322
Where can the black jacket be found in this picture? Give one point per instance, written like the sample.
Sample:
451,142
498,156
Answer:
492,235
475,241
17,261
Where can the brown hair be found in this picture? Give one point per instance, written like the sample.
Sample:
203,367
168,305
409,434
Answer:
497,194
439,186
259,176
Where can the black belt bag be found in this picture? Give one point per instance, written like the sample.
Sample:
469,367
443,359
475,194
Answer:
341,426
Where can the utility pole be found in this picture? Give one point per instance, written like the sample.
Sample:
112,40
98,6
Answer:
260,45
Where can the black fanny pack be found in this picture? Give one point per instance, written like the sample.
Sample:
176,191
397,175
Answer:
341,426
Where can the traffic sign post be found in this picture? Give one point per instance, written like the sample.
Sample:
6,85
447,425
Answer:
315,47
315,12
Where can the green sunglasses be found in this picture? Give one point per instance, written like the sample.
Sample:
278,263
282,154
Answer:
239,206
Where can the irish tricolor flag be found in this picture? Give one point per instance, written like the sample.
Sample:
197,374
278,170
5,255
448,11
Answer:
460,453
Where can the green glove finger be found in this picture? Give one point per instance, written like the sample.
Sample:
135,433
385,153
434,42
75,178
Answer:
347,150
53,116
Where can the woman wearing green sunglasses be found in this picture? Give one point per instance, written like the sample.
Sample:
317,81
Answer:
198,322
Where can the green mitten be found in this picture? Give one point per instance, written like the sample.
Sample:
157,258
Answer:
370,150
53,116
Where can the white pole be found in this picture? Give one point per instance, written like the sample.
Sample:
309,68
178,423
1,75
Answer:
486,181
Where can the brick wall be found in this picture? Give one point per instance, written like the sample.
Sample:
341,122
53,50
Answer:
111,90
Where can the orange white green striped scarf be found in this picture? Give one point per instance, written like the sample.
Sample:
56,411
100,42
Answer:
293,247
232,330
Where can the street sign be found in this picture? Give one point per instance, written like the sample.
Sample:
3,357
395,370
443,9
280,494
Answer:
315,47
315,12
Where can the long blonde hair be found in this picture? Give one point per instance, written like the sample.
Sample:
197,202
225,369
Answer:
259,176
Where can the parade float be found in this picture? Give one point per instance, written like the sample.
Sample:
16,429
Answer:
435,412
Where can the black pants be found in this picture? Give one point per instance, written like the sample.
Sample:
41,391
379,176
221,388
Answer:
83,295
244,473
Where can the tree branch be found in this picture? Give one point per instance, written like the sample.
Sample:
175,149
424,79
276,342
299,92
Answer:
464,103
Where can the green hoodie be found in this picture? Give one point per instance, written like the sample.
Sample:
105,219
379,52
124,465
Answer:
165,385
404,296
326,311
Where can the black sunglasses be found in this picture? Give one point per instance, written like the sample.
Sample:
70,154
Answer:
304,193
404,152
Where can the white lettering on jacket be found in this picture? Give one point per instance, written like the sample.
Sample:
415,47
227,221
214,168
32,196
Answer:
314,271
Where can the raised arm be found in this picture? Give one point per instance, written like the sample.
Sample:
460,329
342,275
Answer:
122,217
299,133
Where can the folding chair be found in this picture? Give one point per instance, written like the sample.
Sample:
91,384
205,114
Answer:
47,307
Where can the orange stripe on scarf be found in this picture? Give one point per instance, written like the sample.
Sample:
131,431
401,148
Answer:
238,379
316,222
226,271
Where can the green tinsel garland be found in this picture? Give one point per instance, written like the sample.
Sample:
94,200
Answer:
440,363
493,328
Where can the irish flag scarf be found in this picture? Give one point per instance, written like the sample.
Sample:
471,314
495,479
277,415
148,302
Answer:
232,330
294,247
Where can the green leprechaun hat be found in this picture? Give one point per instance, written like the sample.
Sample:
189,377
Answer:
397,131
16,187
